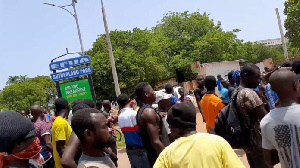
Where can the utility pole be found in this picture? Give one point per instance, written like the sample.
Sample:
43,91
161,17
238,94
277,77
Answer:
282,35
77,24
111,56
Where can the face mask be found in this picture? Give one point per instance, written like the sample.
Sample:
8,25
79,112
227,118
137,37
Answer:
31,152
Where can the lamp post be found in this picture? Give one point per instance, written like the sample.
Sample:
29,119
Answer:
81,45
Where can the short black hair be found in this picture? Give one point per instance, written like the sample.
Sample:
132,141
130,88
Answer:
248,69
286,64
141,89
199,76
89,102
81,121
230,75
79,106
99,103
210,83
60,104
123,100
296,66
219,76
169,88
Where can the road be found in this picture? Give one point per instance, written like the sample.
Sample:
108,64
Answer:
124,162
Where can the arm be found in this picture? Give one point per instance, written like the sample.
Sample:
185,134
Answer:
271,157
47,141
68,157
149,118
60,147
260,112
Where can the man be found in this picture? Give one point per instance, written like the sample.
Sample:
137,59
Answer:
89,102
224,91
91,127
169,90
251,109
149,122
99,105
211,104
42,132
232,86
46,116
106,112
192,149
199,92
219,79
134,145
18,141
269,92
280,128
61,130
296,67
182,97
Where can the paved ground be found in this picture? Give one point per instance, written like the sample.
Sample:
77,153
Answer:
124,162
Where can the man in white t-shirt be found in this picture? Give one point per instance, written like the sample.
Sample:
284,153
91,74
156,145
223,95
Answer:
280,128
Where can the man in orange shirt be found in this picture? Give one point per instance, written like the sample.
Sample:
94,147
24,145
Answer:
211,104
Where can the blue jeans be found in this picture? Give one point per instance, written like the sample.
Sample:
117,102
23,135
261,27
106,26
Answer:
138,158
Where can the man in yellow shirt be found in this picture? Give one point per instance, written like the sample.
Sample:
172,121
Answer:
61,130
192,149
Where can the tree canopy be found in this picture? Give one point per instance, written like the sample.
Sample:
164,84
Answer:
20,96
292,23
177,41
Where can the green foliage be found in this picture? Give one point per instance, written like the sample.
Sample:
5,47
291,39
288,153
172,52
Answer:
292,23
16,79
177,41
20,96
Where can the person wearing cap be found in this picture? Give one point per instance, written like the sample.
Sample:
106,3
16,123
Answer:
61,130
211,104
192,149
42,131
18,142
134,145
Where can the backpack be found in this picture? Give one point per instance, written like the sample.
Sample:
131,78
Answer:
229,125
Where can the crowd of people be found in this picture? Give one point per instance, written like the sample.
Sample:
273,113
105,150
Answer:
80,133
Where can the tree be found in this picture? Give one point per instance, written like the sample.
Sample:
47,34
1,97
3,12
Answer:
292,23
20,96
16,79
138,57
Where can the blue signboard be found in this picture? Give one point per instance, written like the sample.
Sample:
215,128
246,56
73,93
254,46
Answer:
72,73
72,62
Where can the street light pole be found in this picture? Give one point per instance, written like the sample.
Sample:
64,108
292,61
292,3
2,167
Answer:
78,29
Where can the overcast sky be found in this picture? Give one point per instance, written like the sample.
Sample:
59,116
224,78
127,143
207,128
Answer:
32,33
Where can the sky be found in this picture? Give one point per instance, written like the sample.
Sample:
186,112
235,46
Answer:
32,34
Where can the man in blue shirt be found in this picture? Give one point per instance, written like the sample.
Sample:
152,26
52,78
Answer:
169,90
224,91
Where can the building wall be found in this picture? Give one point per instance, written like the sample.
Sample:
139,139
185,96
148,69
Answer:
271,42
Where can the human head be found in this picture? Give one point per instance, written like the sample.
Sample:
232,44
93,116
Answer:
61,105
16,133
286,64
182,119
36,111
230,78
91,128
23,113
200,80
286,84
79,106
89,102
219,77
144,93
99,105
210,83
106,105
296,66
181,92
225,83
169,88
123,100
250,75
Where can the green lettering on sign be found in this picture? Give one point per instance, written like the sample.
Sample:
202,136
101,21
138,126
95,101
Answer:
77,90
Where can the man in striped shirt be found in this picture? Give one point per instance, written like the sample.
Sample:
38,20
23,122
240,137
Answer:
134,145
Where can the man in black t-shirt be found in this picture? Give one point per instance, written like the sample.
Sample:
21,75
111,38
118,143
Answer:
199,92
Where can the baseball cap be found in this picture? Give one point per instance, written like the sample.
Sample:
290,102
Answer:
13,126
183,116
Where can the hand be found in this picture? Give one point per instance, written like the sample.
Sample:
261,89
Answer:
163,114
